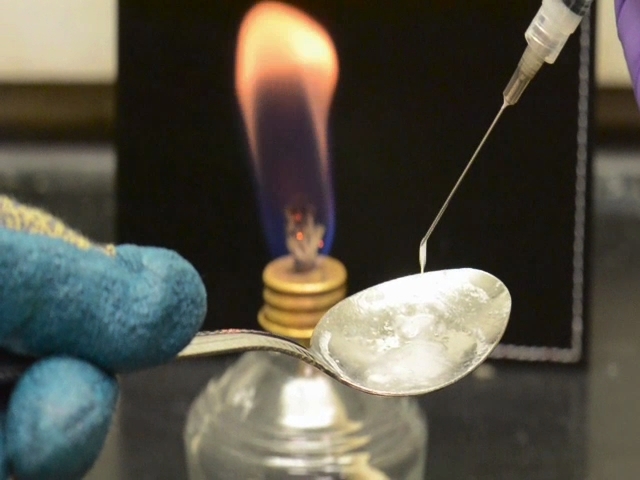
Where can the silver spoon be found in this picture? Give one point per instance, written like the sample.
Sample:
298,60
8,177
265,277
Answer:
408,336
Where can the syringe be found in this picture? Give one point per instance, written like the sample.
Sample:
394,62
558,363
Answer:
546,36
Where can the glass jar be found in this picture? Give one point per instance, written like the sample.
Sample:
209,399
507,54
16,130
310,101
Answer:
273,417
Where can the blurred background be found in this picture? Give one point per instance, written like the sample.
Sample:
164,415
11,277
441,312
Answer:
58,76
58,84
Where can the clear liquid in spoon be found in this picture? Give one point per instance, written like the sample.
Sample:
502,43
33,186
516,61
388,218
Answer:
411,334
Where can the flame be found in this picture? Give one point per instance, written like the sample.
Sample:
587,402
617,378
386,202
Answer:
286,76
277,43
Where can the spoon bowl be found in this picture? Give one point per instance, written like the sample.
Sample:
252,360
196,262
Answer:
407,336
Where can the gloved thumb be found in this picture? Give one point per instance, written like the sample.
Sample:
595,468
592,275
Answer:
57,419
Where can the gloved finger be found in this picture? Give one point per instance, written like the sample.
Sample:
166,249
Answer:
57,419
628,22
122,309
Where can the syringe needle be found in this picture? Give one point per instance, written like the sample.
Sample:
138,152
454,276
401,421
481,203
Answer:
422,251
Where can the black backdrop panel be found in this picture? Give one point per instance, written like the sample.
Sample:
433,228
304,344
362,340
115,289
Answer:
419,84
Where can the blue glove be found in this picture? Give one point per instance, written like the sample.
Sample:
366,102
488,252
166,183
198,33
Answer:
628,21
83,312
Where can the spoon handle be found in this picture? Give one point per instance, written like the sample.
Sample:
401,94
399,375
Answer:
220,342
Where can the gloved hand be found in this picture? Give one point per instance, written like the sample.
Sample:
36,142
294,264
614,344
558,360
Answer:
86,312
628,21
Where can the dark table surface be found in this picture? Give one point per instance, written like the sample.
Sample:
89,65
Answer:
520,421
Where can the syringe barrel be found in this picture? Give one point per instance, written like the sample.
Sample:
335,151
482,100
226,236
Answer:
553,24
